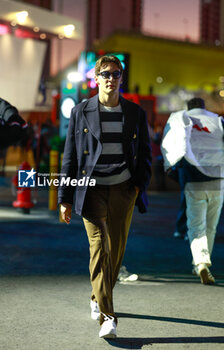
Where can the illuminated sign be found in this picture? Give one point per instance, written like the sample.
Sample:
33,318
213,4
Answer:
69,98
3,29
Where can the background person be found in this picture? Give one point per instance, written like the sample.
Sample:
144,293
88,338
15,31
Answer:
193,141
12,127
157,158
12,130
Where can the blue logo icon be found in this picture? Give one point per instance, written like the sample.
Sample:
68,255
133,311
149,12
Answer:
26,178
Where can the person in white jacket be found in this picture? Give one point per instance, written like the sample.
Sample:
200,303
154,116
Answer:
193,143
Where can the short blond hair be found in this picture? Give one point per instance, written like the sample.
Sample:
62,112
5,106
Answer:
103,60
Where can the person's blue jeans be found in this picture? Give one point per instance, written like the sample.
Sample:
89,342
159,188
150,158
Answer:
181,221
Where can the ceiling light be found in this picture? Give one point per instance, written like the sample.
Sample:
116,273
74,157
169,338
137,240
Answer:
43,36
21,17
68,30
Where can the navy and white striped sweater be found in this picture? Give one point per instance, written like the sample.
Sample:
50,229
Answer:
111,167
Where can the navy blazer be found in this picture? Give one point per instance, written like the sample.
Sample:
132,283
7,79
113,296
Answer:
83,148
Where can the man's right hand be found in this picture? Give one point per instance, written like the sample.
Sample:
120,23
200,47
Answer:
66,212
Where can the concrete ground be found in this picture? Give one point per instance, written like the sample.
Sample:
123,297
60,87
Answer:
167,312
45,289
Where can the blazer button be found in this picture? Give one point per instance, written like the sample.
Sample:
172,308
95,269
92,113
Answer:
83,172
134,136
86,152
86,130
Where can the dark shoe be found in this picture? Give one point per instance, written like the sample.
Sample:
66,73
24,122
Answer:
205,274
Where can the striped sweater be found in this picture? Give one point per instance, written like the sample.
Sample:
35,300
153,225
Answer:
111,167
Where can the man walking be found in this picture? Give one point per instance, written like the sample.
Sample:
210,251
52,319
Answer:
193,140
107,140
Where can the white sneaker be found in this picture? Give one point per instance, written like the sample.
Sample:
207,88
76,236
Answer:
205,274
108,328
95,311
125,276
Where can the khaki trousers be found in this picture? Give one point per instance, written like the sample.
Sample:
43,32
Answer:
107,215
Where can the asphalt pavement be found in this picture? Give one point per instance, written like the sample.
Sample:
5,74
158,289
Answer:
45,289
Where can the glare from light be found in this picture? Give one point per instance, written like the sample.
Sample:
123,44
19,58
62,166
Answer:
3,29
21,17
182,94
74,77
67,106
159,80
84,86
69,86
91,73
221,93
92,84
68,30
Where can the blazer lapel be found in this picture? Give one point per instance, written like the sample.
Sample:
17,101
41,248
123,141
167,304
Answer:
130,121
91,113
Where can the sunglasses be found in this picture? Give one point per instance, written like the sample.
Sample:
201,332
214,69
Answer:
106,74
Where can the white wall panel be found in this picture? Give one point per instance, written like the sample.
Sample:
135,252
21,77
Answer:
21,62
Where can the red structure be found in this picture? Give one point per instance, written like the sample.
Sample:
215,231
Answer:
23,193
41,3
147,102
210,26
